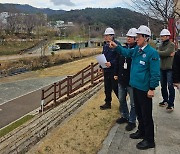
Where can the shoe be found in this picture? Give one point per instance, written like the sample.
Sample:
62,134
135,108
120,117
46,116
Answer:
136,135
170,108
105,106
143,145
162,104
122,120
130,126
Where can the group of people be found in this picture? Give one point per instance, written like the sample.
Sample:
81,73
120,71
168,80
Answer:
135,70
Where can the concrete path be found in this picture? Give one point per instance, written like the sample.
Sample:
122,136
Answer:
167,133
21,97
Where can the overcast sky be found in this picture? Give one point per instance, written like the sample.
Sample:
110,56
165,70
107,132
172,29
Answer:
72,4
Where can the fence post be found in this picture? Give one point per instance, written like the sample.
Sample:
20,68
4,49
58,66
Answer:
59,89
92,73
82,84
42,101
69,85
55,92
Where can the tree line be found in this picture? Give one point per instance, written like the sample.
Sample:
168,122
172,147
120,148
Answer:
17,23
118,18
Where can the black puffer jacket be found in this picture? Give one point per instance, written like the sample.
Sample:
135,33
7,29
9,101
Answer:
176,67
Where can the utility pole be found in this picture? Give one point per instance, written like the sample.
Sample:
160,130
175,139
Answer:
89,43
89,32
148,21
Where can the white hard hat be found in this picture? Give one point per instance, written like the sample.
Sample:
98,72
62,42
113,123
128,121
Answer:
165,32
144,30
132,32
109,31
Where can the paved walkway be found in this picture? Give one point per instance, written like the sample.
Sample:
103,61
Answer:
21,97
12,90
167,133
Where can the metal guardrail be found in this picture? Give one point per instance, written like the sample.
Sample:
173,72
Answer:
70,86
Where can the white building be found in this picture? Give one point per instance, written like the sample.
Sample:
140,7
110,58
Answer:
4,16
59,22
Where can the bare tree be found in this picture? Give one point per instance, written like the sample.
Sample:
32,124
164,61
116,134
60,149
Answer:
159,9
32,21
1,27
15,23
11,24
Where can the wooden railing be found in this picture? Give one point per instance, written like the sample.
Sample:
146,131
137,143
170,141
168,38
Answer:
70,86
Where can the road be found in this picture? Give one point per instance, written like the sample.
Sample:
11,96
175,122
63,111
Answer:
27,97
34,53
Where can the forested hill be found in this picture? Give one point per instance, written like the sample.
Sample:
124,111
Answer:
118,18
18,8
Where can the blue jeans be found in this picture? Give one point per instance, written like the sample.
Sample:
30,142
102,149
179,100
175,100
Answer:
122,93
167,88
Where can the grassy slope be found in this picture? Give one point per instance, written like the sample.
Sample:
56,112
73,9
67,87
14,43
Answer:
84,132
11,48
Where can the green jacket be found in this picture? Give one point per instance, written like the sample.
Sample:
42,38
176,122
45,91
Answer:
164,51
145,67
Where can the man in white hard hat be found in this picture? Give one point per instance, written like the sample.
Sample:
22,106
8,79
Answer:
111,56
144,78
123,77
166,52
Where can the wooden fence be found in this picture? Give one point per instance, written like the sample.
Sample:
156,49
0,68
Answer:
70,86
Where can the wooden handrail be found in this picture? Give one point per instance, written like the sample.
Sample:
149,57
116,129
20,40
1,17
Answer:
70,84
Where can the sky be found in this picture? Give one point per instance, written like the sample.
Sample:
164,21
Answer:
72,4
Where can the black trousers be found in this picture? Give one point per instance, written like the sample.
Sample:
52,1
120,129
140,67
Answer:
143,108
109,85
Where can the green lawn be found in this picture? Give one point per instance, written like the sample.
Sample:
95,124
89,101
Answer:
14,125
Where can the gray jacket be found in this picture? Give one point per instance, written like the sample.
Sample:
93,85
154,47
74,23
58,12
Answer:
164,51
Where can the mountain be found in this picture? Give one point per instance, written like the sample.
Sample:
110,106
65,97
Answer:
118,18
18,8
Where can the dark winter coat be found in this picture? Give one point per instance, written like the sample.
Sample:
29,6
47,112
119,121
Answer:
176,67
122,73
111,56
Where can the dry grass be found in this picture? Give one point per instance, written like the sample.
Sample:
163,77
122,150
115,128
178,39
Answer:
60,70
14,47
67,69
28,75
35,63
83,133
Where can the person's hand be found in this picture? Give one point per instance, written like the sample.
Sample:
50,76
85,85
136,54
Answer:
150,94
115,77
108,64
100,71
172,54
176,85
112,44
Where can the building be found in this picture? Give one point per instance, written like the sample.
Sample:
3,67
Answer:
70,44
3,17
95,42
